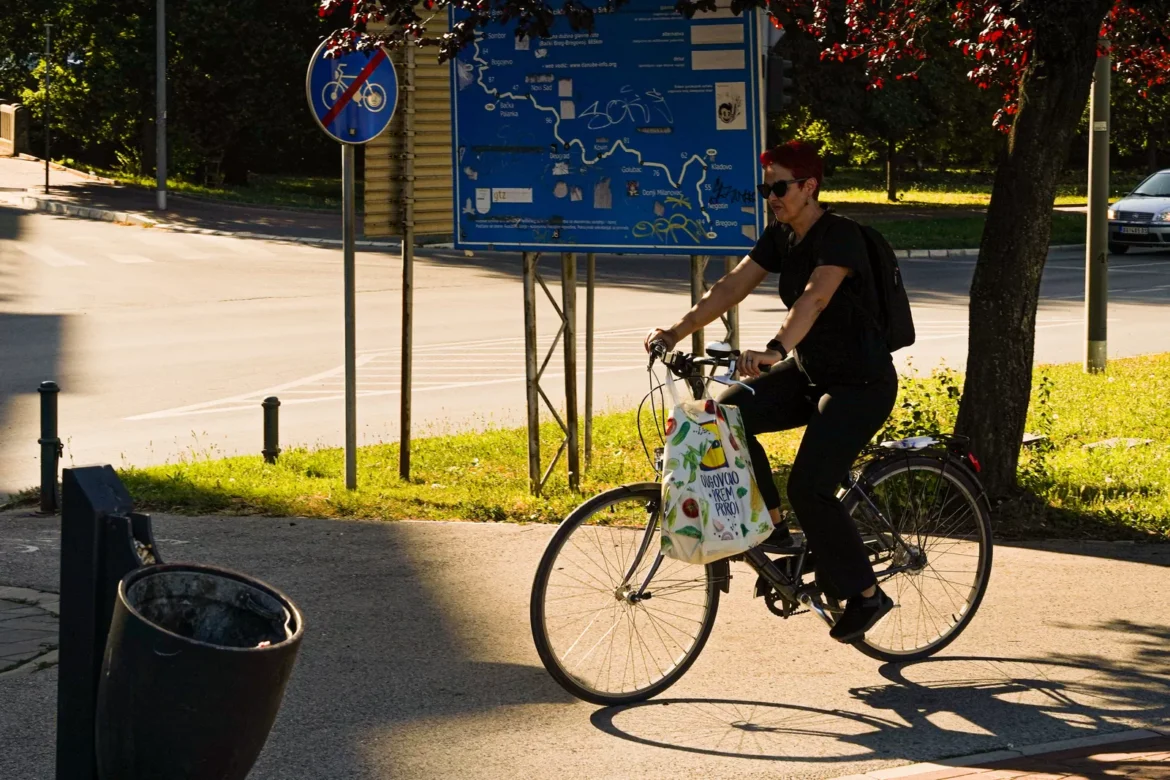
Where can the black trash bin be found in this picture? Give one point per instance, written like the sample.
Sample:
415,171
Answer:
195,669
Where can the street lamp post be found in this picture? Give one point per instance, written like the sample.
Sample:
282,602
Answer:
1097,244
160,121
48,68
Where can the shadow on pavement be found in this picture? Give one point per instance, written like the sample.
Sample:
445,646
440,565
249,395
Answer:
931,281
968,704
30,347
394,626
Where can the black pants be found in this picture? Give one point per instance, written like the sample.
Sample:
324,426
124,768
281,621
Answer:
841,420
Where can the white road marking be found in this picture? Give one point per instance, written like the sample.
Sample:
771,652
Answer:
48,255
615,351
129,259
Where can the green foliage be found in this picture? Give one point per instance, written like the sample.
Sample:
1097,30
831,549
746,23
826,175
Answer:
925,405
235,84
939,118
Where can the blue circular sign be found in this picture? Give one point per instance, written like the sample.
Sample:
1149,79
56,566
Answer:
353,96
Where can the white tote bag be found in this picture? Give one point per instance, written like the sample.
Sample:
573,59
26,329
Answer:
711,506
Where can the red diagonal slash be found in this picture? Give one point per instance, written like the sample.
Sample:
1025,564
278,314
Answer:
347,96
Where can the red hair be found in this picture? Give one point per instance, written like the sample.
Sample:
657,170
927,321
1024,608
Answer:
799,157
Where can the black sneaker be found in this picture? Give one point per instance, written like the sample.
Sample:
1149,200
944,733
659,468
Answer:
860,615
781,540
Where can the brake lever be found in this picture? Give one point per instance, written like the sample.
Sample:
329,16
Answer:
729,379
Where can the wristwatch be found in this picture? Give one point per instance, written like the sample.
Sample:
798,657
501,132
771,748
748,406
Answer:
775,346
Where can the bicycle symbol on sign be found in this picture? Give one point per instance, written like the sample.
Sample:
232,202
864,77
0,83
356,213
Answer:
370,95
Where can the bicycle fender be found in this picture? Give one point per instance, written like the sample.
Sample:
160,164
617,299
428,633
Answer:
722,570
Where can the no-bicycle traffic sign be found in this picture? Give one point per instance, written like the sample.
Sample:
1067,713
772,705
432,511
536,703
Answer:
353,96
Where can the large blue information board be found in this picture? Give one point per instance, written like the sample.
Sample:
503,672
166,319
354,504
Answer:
644,136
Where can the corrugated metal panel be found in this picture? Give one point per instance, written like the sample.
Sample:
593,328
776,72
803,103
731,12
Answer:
432,148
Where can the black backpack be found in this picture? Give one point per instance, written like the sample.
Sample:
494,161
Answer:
897,323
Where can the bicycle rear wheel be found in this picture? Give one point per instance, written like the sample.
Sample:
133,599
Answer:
939,571
595,635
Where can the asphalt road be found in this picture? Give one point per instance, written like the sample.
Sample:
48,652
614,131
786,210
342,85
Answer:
418,663
164,344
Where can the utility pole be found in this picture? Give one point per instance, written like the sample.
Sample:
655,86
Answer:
1097,240
48,104
160,122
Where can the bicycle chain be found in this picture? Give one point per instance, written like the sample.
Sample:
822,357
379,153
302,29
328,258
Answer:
770,600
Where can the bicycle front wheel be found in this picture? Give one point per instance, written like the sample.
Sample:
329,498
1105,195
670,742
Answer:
614,622
931,553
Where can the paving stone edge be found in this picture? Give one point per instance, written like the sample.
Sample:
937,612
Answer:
980,759
49,602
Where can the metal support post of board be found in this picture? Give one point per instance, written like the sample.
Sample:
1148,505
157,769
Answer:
590,278
731,319
407,266
569,306
1097,241
698,287
530,372
567,314
347,241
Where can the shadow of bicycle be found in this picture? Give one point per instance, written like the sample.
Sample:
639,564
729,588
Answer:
926,710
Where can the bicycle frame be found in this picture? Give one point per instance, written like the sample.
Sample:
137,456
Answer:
792,594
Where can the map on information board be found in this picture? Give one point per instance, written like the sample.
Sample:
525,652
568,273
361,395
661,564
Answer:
644,136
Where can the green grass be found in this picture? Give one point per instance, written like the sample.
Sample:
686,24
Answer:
308,192
966,232
1076,492
967,188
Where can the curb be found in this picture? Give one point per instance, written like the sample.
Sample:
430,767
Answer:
981,759
939,254
53,206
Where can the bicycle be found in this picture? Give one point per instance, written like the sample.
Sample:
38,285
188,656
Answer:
372,96
616,622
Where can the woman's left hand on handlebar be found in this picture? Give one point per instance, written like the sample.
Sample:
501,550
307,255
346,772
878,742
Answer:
752,362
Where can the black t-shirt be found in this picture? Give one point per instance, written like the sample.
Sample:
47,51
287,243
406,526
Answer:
845,345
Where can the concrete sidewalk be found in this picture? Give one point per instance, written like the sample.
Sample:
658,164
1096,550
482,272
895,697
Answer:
77,195
418,662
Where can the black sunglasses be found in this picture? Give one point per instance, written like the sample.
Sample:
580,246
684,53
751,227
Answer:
779,189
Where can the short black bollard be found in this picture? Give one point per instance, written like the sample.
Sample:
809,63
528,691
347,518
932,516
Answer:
51,447
271,428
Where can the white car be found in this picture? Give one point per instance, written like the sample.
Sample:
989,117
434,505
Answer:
1142,218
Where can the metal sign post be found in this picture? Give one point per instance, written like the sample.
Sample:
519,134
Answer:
590,281
353,98
407,269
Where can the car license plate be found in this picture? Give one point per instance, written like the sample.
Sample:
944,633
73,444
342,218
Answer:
1135,231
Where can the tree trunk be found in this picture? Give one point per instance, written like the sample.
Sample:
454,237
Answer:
1151,153
1004,293
891,166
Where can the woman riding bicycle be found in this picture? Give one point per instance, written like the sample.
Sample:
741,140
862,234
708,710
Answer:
831,371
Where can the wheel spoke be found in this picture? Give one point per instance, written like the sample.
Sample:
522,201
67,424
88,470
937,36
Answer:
941,528
601,642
